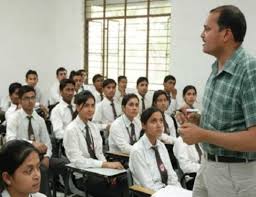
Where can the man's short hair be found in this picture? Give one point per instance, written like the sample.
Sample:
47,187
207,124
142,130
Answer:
65,82
120,78
95,77
24,89
108,81
141,79
231,17
31,72
13,87
169,77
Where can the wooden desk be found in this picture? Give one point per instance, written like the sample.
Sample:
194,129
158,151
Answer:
118,156
105,173
141,191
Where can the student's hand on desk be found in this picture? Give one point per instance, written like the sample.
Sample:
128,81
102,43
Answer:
42,148
190,133
113,165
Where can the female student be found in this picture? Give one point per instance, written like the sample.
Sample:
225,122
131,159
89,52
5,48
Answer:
161,102
19,168
149,160
125,130
83,146
189,96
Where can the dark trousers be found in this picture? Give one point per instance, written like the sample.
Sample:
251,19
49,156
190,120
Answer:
99,186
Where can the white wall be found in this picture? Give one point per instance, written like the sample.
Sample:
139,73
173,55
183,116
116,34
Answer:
39,35
189,64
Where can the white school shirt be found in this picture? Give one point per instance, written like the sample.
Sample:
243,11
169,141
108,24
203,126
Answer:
60,118
95,93
143,166
55,93
17,128
76,147
173,106
5,103
104,114
10,111
169,138
147,101
5,193
119,134
186,155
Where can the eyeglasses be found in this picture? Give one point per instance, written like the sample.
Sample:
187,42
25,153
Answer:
26,98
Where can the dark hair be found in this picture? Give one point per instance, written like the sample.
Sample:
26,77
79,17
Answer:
231,17
169,77
24,89
13,87
75,73
71,74
157,94
81,71
108,81
119,78
60,69
12,155
187,88
65,82
128,97
146,114
141,79
95,77
31,72
83,96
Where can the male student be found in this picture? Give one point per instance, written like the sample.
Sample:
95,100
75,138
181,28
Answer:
55,97
121,88
143,95
97,88
62,113
108,109
169,88
14,97
26,124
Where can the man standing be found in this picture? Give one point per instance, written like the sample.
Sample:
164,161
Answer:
228,121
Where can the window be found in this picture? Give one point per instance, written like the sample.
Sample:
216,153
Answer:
128,37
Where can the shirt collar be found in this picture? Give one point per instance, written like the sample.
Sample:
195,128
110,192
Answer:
230,64
24,114
147,143
126,120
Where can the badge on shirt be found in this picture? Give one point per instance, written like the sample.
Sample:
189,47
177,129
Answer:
162,168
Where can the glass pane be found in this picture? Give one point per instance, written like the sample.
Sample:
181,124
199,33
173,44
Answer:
160,7
137,7
114,8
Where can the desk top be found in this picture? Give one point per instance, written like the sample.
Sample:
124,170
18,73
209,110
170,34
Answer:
99,171
171,190
117,154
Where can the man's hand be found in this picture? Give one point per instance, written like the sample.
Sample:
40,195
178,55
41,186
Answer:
113,165
191,134
42,148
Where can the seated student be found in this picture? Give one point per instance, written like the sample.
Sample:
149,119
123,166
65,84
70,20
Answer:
55,97
5,103
19,170
149,160
77,78
121,88
160,101
83,146
189,96
14,96
108,109
125,130
169,88
97,88
27,125
84,78
143,95
62,114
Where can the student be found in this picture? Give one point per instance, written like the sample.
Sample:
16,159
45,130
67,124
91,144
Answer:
169,88
83,146
108,109
62,114
19,169
143,95
27,125
55,97
189,96
77,78
32,80
121,88
149,160
14,97
84,75
97,88
161,102
125,130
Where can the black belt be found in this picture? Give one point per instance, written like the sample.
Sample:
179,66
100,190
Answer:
228,159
